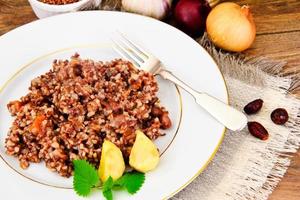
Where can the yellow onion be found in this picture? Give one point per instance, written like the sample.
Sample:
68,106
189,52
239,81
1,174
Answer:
231,27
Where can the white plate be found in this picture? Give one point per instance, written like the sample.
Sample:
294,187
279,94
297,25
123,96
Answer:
188,146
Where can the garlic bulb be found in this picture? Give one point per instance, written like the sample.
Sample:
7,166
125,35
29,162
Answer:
152,8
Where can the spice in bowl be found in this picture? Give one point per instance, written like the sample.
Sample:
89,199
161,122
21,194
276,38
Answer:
47,8
58,2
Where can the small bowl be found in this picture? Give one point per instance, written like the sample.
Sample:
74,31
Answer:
43,10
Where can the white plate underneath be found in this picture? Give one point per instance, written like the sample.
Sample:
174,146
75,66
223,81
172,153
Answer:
188,146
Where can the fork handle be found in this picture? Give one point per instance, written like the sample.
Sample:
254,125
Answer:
225,114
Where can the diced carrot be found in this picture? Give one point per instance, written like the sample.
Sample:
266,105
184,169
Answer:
14,106
36,126
18,105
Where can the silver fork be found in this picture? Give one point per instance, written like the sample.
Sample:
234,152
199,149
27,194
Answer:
225,114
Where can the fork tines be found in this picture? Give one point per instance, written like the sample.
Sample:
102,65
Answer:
129,50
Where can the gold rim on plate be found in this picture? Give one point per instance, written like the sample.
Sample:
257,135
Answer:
177,129
64,50
218,145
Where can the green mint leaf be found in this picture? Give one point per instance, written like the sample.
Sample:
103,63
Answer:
132,181
85,177
106,189
108,194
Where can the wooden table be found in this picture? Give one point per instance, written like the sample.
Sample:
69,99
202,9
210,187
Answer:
278,38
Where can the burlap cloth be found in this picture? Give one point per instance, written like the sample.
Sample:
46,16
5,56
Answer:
246,167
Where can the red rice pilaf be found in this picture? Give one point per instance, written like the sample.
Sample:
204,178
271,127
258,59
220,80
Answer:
71,109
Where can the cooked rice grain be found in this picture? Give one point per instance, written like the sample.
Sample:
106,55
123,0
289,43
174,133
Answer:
71,109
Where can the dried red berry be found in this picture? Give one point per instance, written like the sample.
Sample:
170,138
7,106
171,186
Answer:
257,130
165,121
253,106
279,116
156,111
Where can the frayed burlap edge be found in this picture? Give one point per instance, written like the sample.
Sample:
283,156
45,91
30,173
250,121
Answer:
259,178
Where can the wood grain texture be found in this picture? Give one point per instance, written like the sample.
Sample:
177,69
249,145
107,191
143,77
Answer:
275,16
278,37
278,31
14,13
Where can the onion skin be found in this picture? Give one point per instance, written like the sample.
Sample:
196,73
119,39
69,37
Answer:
190,16
231,27
153,8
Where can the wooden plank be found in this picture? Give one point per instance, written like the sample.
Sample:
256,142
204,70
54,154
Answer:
14,13
280,46
274,16
288,188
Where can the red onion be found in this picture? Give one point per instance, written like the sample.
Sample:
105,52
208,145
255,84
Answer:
190,16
